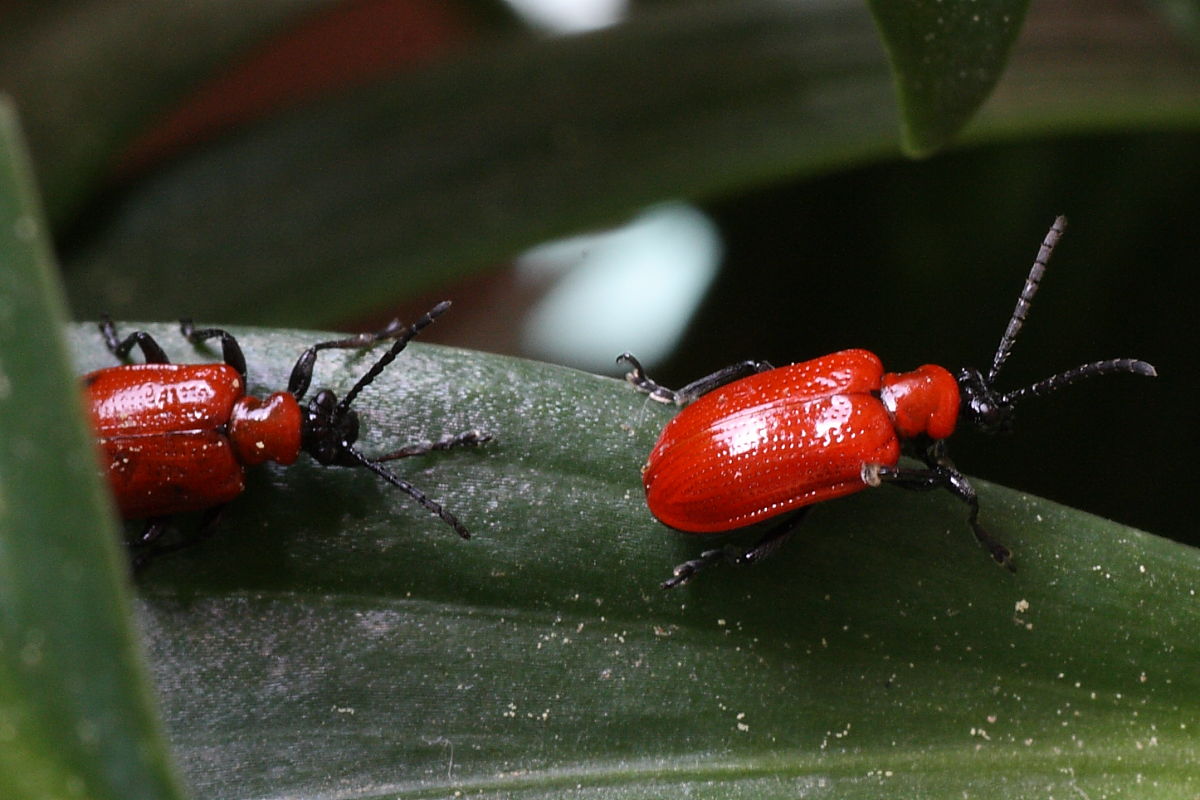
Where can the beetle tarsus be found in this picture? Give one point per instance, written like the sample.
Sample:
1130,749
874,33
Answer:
1000,554
687,570
231,351
150,546
766,546
681,397
154,528
637,376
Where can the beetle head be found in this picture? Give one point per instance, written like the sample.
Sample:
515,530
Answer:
981,405
330,430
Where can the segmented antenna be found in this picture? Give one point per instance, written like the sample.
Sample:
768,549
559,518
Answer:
1026,299
1063,379
432,506
390,356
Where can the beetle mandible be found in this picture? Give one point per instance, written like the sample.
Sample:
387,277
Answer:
177,438
759,442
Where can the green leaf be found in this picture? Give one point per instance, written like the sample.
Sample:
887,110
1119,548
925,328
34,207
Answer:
416,181
88,77
75,717
946,58
407,185
333,638
1184,15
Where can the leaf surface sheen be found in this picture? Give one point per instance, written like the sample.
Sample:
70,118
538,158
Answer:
333,638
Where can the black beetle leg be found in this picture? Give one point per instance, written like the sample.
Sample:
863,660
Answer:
942,475
302,372
231,351
681,397
151,352
766,546
153,549
145,541
154,528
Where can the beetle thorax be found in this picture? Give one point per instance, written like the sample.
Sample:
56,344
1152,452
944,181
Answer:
923,402
265,430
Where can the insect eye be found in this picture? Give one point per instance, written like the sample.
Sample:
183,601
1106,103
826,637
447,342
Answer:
325,401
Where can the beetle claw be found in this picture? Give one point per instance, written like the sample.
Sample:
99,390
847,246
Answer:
637,376
687,570
1003,556
682,574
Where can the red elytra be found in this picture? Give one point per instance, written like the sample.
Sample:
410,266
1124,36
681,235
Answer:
798,434
755,442
177,438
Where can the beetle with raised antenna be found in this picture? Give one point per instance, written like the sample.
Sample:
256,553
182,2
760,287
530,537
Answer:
176,438
756,442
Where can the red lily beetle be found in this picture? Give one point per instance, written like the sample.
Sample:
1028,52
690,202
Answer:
177,437
760,442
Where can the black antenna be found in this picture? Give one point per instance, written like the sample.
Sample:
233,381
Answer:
1026,299
1063,379
390,356
991,409
409,489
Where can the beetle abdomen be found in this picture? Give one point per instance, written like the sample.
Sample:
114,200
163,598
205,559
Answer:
765,461
168,473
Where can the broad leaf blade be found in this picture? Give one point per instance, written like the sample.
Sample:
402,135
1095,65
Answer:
75,716
333,638
946,58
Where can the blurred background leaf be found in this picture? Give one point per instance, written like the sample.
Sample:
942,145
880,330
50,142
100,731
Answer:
946,59
89,76
76,719
414,181
447,170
